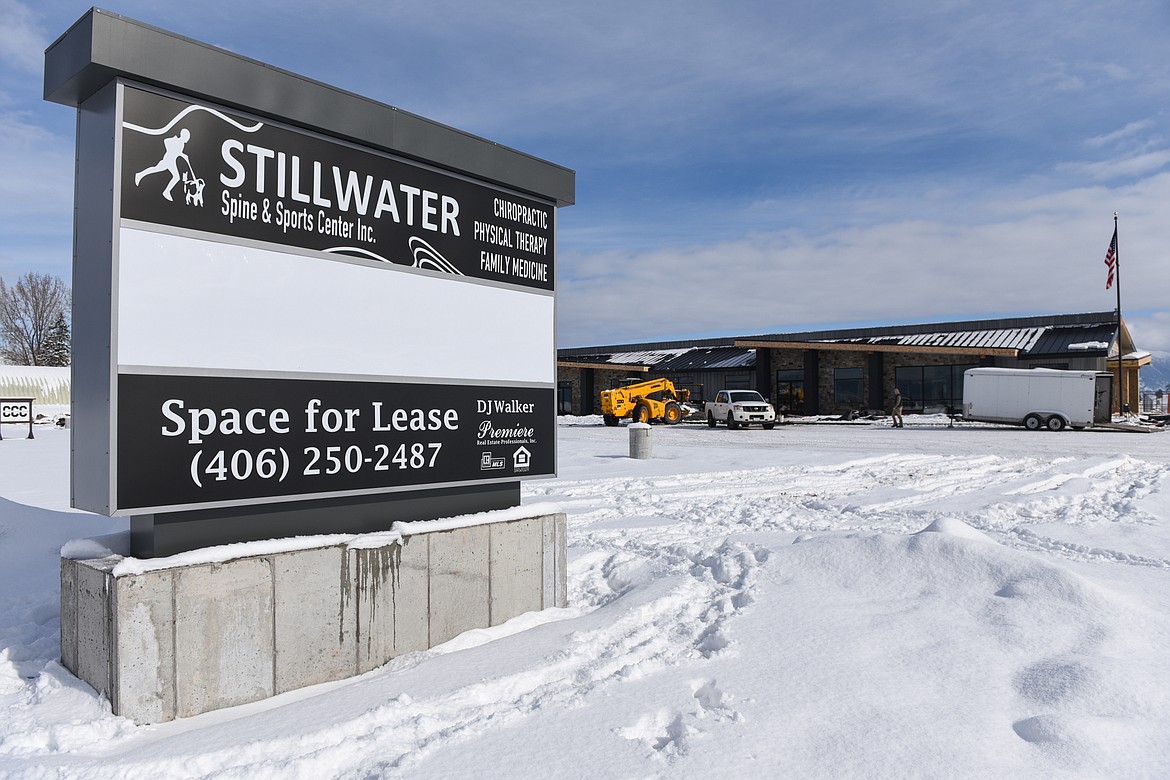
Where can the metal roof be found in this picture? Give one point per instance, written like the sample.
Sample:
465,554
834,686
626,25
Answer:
711,358
965,326
1042,335
645,357
1086,340
1010,338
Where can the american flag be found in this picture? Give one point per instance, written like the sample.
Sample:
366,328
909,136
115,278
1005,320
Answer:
1111,259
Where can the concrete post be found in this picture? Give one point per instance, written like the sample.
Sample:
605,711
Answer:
640,443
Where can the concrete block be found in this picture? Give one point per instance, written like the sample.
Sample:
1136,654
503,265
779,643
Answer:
371,574
314,618
144,647
224,635
183,641
560,561
93,632
69,614
390,585
411,595
555,556
548,592
517,556
459,582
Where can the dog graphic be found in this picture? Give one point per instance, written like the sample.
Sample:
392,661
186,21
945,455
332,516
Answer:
192,190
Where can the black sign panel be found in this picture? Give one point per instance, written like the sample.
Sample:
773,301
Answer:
204,440
198,166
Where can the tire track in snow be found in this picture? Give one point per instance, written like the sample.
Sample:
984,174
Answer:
886,494
680,617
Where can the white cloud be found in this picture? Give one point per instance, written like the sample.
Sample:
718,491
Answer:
38,169
1130,130
22,44
1150,331
1106,170
1045,258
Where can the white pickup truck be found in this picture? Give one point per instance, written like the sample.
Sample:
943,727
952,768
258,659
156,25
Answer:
740,407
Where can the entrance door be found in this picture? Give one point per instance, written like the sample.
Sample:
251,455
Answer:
1103,399
790,390
564,397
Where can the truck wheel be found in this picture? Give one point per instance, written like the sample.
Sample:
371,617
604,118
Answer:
1056,423
769,426
672,413
731,423
641,413
610,420
1033,422
710,420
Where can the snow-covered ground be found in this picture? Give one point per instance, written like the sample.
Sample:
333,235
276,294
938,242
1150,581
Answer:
814,601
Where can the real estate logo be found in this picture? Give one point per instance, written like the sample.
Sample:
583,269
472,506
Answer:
489,463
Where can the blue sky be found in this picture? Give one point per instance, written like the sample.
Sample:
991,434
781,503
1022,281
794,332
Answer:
743,167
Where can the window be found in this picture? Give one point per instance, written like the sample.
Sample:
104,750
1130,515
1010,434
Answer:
931,387
790,390
848,389
564,397
739,380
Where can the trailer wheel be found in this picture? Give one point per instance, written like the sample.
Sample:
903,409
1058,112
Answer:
1056,423
672,413
710,420
1033,422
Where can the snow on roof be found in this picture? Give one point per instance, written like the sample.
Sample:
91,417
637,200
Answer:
1006,338
703,358
44,384
649,357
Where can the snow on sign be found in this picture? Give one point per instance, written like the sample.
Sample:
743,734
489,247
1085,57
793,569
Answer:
301,317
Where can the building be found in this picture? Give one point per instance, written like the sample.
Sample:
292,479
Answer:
843,371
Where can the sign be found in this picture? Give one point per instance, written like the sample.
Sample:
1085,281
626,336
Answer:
17,410
242,440
300,317
201,167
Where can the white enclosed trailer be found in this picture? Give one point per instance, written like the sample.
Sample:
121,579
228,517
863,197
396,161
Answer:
1037,397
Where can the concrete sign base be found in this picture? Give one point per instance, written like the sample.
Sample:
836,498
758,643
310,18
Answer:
175,642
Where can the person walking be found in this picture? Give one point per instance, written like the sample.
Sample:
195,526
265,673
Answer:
170,161
896,409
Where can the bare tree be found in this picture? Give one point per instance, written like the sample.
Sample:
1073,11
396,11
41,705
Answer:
28,310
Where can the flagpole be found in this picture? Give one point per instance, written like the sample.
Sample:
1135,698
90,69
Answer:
1120,348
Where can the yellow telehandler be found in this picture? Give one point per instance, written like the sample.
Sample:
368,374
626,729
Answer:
643,402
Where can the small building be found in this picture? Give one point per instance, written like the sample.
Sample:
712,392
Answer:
856,370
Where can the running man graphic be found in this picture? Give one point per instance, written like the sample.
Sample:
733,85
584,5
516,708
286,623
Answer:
170,161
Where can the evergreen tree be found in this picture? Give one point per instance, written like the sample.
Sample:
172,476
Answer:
56,350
